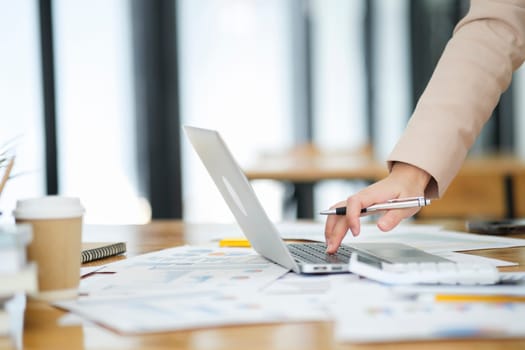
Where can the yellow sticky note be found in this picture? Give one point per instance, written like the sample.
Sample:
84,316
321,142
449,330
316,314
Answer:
234,242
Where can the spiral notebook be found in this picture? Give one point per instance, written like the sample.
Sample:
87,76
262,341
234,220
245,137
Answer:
98,250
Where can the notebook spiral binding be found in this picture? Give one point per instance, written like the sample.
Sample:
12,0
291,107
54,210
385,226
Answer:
103,252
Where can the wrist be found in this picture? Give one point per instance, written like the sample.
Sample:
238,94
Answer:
416,177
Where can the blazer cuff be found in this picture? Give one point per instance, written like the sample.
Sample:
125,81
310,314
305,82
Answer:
432,189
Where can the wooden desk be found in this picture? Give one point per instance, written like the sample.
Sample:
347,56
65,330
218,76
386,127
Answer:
42,332
487,186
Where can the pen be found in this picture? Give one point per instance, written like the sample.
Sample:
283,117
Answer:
399,203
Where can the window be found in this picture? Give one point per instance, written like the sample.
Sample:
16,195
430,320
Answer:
95,115
235,69
20,100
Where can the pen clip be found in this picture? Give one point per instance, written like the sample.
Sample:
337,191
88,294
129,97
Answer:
406,199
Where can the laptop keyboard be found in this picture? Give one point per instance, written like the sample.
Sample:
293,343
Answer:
315,253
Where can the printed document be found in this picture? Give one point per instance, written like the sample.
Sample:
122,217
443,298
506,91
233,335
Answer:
188,267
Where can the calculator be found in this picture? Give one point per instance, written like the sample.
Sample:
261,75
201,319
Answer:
436,272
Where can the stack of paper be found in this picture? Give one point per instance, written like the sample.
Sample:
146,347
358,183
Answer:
194,287
187,288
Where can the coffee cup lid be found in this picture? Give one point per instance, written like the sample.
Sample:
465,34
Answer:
49,207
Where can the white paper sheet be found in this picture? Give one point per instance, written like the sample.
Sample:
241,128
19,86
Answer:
292,283
369,312
190,310
195,268
400,321
430,238
451,241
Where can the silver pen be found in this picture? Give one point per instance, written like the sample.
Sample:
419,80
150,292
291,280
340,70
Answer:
398,203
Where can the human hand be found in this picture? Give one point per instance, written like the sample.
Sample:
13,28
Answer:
404,180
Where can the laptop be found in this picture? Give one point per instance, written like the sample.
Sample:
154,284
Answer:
306,258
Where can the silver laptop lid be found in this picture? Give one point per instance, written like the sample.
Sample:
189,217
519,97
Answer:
240,196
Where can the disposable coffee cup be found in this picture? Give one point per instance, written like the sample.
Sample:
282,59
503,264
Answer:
56,244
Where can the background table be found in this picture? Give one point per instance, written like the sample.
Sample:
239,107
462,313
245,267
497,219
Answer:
42,332
488,186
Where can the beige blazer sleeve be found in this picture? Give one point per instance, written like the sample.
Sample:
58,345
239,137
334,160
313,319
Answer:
475,68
